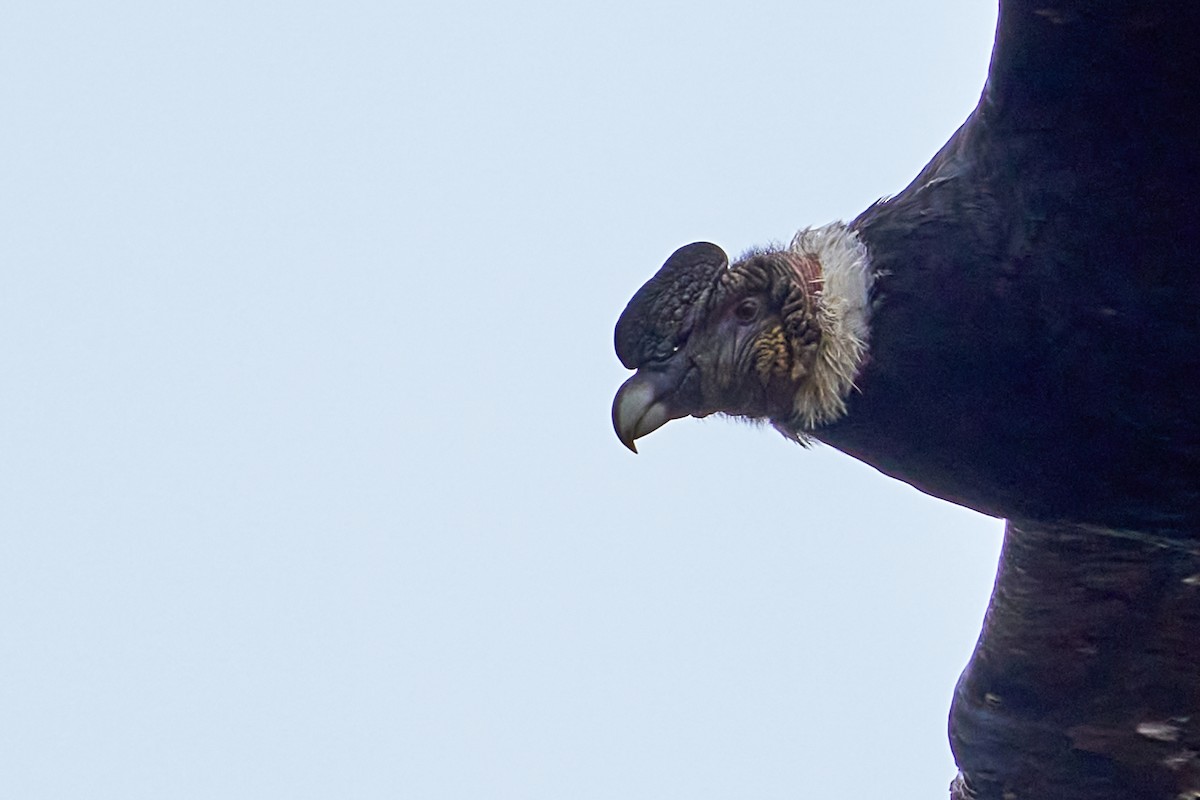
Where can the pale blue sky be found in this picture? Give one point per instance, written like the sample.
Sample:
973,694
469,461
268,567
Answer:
307,482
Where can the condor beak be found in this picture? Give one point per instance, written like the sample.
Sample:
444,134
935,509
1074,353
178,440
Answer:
642,404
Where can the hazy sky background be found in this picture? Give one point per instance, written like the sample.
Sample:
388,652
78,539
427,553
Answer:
309,488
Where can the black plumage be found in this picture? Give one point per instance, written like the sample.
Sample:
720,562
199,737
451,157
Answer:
1044,281
1030,349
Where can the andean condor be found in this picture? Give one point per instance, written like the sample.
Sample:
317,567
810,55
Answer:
1017,331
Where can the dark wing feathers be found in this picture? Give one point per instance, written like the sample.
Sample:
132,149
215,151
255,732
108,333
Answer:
1036,347
1085,684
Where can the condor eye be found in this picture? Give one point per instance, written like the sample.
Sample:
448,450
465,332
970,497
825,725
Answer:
747,310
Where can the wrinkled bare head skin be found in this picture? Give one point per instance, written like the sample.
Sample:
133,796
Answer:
705,338
779,336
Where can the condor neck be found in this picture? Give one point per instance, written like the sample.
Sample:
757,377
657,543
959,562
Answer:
842,291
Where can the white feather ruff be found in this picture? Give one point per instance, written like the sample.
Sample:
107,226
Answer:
843,303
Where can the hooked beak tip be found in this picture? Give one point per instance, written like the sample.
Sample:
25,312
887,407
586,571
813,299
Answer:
637,410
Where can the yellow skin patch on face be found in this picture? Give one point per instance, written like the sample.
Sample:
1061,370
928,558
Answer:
771,354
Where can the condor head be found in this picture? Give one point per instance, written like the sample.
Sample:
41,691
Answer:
778,336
